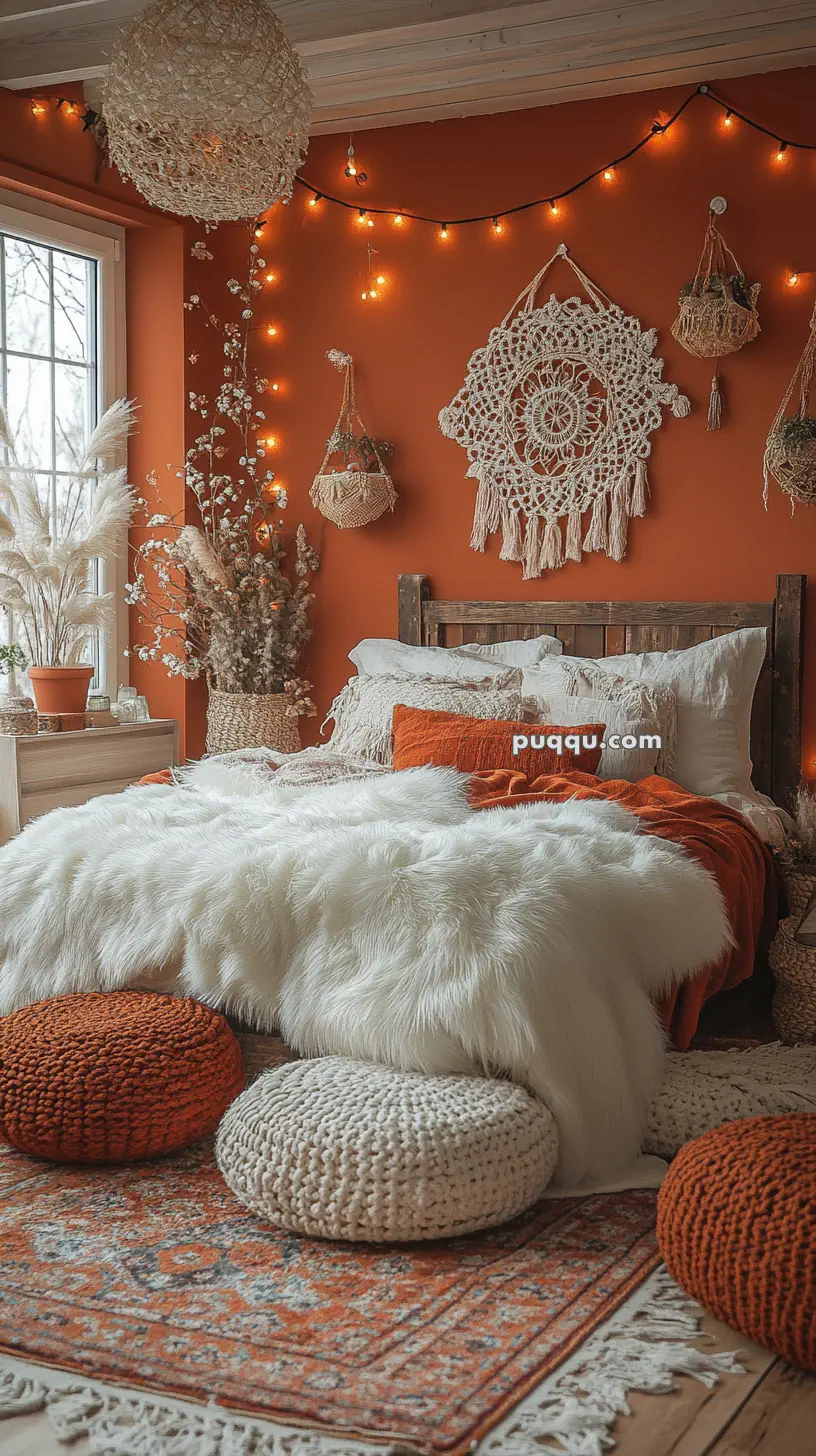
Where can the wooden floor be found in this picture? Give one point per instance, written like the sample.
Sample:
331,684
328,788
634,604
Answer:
770,1411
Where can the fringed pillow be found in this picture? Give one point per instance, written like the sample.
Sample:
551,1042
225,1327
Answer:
627,701
363,711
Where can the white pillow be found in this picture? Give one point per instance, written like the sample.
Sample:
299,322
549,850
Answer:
616,763
584,680
364,709
714,685
384,655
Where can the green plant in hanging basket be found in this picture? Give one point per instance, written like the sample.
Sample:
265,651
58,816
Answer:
790,452
717,309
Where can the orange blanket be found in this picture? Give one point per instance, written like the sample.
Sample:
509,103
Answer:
719,838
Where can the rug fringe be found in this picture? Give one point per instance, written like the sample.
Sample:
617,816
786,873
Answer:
120,1425
643,1347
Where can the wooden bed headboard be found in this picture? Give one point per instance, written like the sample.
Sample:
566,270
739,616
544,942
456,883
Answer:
602,629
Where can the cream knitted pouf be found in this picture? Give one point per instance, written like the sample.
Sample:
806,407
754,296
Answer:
350,1150
702,1090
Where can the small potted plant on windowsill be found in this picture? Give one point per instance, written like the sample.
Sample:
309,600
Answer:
45,573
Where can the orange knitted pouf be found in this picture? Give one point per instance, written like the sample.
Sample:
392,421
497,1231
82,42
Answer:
109,1078
736,1225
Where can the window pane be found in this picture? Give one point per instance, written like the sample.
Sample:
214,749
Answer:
72,405
73,312
28,402
28,314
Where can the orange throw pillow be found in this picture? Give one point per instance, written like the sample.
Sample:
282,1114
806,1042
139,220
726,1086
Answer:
450,740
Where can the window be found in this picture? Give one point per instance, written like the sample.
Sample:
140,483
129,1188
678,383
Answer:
61,346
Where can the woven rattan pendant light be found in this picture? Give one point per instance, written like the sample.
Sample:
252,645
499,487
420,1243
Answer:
207,108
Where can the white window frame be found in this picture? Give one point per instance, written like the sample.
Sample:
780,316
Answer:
41,222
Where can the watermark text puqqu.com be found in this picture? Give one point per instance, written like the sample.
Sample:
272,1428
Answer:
575,742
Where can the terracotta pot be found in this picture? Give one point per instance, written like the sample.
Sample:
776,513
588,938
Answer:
60,689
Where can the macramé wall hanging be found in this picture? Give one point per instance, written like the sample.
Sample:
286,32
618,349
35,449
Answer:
555,415
790,453
358,491
718,308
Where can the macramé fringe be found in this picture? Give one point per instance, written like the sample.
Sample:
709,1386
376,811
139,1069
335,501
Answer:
645,1345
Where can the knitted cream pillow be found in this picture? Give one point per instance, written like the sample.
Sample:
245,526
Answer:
581,677
363,711
350,1150
703,1090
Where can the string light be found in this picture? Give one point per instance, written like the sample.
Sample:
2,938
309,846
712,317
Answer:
780,156
497,227
609,174
38,108
275,388
380,279
272,331
271,277
728,119
554,208
791,278
399,220
258,228
272,442
444,232
313,201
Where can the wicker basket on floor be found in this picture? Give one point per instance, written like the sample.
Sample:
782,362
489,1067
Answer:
251,720
800,883
794,968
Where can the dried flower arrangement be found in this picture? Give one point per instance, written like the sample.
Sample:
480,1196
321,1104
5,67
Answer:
217,599
45,574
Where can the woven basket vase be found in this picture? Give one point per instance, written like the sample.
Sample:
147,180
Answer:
794,969
793,467
353,497
250,720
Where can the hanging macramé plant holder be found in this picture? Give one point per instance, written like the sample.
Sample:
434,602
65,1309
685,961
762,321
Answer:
790,453
555,415
359,491
718,312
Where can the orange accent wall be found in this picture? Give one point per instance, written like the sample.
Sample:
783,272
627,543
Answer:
706,534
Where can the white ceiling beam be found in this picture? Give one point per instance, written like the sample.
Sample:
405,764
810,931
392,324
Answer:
388,62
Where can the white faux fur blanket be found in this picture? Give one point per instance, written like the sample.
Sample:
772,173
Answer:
380,919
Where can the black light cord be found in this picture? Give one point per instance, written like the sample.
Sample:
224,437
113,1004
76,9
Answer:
657,129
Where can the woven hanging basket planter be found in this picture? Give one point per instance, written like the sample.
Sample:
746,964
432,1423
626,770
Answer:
790,452
718,313
251,720
362,489
207,108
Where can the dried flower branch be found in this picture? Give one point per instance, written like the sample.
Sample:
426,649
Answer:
216,599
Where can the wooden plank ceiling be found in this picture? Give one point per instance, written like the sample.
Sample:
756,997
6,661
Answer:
386,62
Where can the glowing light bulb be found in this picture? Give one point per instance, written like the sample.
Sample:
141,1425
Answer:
362,217
443,232
364,294
272,331
792,279
369,222
372,293
275,388
399,220
313,201
380,279
258,228
271,277
780,156
728,119
554,209
497,227
271,442
609,174
38,108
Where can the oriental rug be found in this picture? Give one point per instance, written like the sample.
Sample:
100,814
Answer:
153,1275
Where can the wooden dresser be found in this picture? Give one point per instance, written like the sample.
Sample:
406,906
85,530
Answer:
52,770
